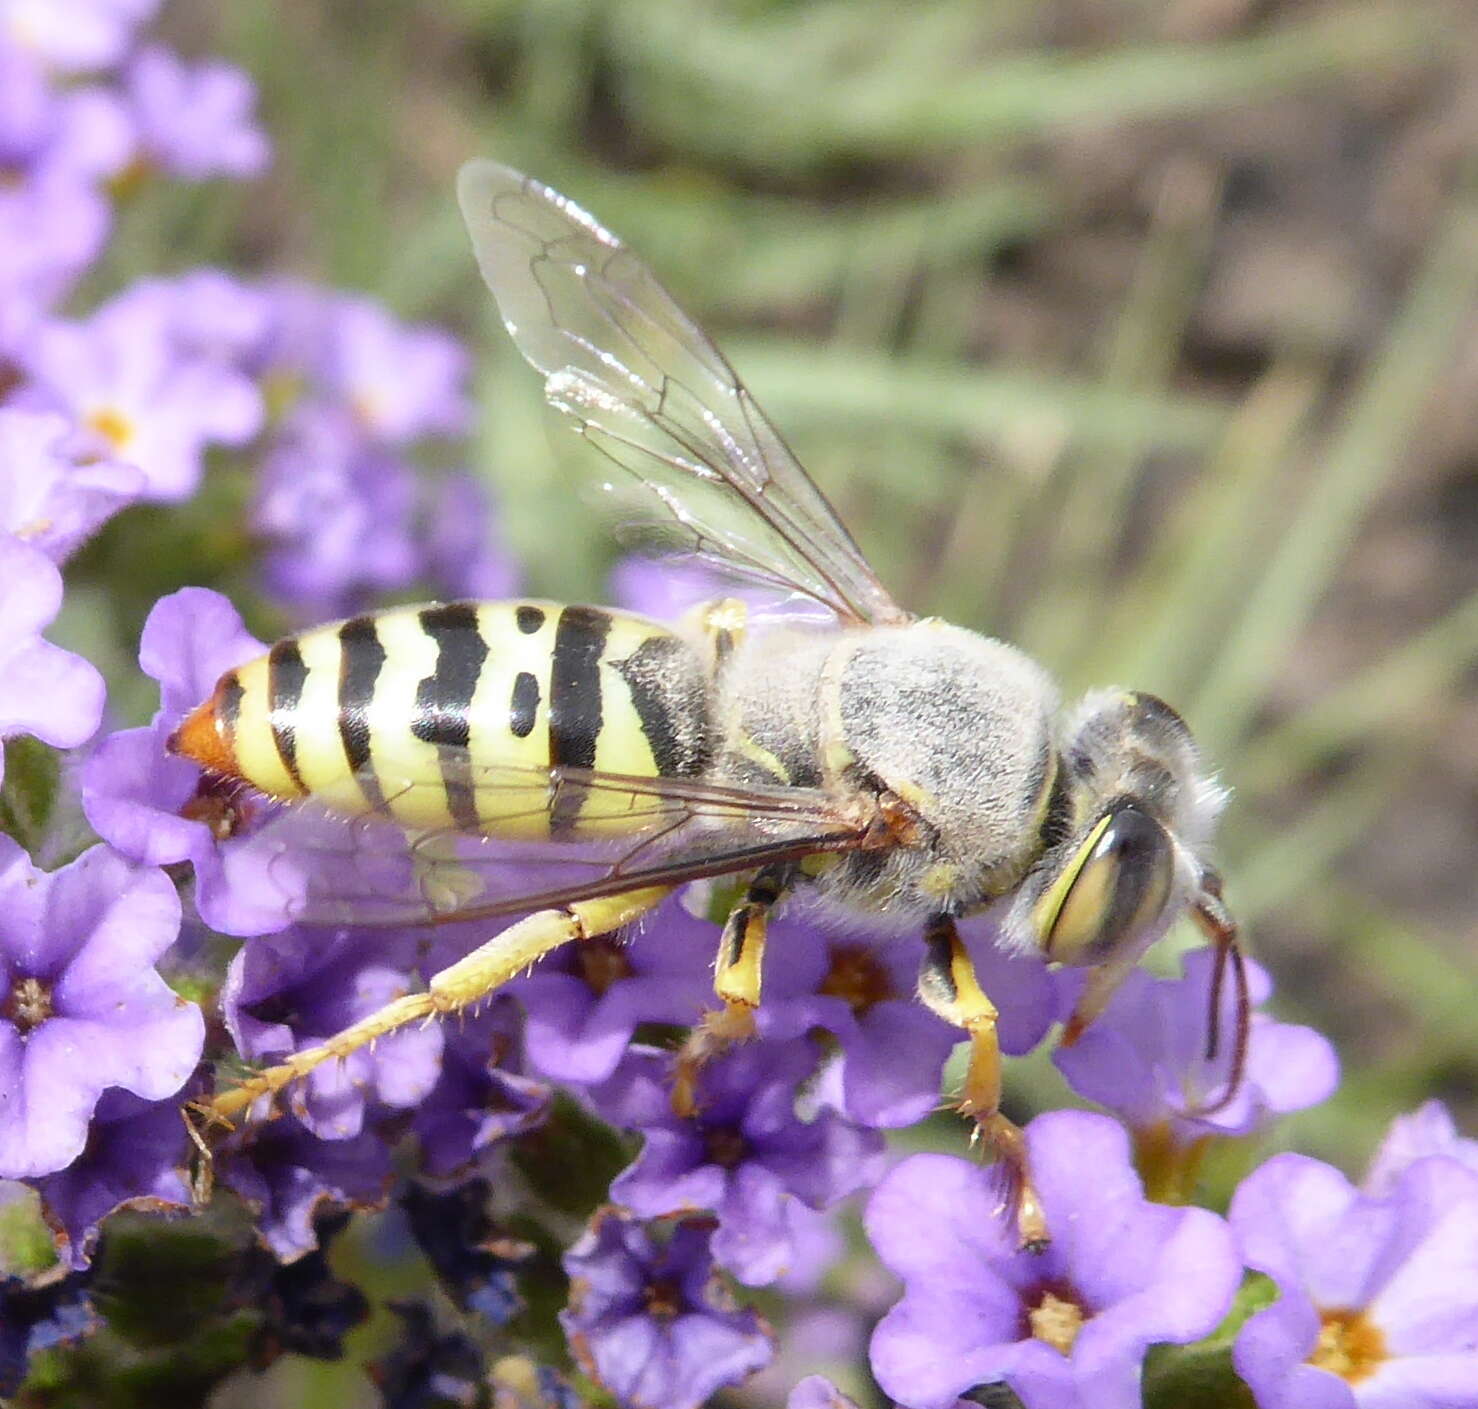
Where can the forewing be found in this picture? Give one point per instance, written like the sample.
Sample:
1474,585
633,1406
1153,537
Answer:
644,383
369,870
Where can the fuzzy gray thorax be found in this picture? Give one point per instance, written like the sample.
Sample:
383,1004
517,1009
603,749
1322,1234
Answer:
958,726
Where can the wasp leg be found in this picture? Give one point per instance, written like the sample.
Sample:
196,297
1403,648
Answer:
738,972
1103,982
458,986
948,986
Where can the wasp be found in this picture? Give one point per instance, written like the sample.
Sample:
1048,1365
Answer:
574,765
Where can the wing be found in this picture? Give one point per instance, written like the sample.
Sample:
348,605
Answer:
644,383
334,870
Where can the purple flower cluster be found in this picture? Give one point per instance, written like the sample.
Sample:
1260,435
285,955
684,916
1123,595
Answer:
1377,1291
1066,1329
330,402
325,395
90,1035
344,514
647,1318
1145,1057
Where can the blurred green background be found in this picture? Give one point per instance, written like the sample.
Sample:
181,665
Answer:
1141,333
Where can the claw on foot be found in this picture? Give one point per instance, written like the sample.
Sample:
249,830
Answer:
1003,1141
715,1033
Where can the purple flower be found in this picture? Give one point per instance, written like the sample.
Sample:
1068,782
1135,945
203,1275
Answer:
463,559
586,1000
55,149
1145,1057
1377,1296
288,991
663,589
337,512
1428,1130
47,496
82,1007
145,801
195,120
121,377
649,1321
424,1369
44,690
818,1392
481,1096
401,383
82,134
134,1158
288,1176
747,1154
74,35
206,314
667,588
861,988
1067,1328
50,230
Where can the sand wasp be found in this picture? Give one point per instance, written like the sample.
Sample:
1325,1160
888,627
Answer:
572,765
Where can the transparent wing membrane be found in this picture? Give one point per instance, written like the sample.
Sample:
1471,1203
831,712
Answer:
643,382
632,832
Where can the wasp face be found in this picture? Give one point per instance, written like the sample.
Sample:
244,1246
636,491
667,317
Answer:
1137,813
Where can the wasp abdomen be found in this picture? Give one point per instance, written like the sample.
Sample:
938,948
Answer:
444,715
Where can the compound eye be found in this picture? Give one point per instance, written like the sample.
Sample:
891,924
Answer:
1114,888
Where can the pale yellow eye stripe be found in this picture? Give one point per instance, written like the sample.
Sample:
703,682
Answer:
1048,909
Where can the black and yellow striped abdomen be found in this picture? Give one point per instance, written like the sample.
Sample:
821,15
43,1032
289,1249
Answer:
429,713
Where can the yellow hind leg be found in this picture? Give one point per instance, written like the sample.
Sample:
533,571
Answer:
458,986
948,986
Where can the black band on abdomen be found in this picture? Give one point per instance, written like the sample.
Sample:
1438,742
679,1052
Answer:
286,676
444,700
361,658
575,708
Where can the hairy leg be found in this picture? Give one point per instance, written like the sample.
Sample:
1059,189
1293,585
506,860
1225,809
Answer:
738,973
948,986
460,985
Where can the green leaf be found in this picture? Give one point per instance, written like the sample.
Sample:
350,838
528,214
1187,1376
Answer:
32,777
1200,1375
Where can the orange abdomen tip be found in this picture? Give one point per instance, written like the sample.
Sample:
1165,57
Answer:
205,735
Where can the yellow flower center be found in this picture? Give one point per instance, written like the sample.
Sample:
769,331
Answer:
1350,1345
27,1005
113,426
1056,1320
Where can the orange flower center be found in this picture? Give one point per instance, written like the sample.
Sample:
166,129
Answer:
1350,1345
857,977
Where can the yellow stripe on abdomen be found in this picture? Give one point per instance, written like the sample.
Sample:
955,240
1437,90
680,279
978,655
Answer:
451,716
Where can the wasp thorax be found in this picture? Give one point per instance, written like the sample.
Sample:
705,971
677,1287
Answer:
960,728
